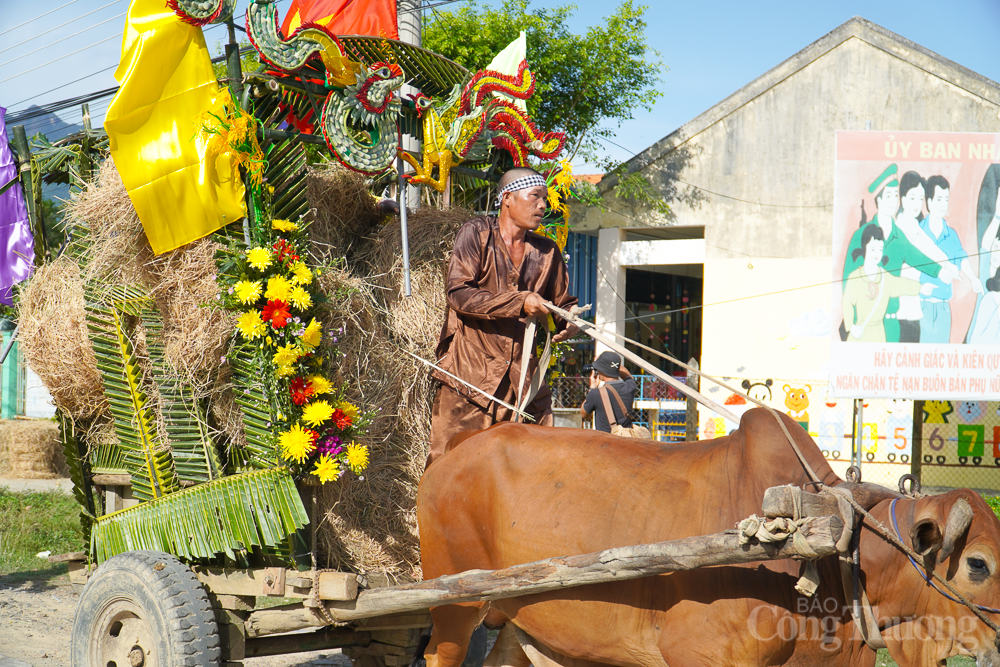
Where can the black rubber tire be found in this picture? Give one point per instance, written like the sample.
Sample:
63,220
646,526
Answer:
159,598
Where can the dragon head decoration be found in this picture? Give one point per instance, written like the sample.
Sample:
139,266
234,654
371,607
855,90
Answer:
373,96
421,102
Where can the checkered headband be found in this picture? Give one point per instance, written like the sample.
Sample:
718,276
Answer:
519,184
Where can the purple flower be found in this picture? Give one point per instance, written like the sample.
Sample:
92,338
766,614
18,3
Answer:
330,444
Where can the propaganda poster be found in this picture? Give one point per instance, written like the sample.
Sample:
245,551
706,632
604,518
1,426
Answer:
916,266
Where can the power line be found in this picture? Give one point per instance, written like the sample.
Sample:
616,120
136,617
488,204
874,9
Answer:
42,48
61,58
26,115
39,16
719,194
115,2
100,71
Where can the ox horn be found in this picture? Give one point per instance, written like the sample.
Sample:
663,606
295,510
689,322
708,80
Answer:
959,519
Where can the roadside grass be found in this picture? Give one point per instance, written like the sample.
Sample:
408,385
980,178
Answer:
34,522
883,660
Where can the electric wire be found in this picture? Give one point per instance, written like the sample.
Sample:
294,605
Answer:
64,104
115,2
719,194
100,71
39,16
42,48
63,57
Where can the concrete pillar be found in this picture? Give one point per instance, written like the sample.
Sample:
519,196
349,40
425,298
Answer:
610,313
408,21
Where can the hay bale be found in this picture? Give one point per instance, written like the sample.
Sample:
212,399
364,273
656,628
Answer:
34,448
343,211
54,339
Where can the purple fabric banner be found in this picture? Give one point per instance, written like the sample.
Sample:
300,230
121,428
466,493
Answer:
16,242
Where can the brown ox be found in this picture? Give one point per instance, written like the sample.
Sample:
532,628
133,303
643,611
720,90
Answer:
514,494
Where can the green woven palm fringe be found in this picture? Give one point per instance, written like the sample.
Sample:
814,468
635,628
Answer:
224,516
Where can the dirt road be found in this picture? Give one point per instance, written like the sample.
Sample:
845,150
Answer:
36,619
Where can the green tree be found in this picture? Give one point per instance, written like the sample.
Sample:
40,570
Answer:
586,85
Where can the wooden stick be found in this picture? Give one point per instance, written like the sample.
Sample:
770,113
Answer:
618,564
594,333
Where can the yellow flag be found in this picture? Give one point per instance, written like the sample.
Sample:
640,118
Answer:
180,190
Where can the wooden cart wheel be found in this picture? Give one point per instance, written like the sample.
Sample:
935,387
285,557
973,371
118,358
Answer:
144,609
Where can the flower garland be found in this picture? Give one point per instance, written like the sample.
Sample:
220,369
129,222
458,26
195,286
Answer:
271,287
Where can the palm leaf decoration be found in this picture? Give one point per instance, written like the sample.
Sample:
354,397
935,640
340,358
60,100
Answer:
286,173
147,458
196,457
251,394
75,452
230,516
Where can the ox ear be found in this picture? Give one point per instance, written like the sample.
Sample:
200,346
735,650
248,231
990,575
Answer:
926,537
959,519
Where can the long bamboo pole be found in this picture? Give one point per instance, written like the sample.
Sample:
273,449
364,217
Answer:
618,564
595,333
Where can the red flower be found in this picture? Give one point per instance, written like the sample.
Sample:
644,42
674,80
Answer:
312,434
301,391
340,419
285,250
277,313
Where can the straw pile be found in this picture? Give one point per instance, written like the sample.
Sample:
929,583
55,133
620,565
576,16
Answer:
366,525
33,448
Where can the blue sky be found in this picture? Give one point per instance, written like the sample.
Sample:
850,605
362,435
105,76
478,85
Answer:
711,48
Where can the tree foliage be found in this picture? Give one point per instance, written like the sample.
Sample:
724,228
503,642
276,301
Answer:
587,85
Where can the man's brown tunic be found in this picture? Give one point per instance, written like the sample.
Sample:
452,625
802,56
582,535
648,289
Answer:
483,334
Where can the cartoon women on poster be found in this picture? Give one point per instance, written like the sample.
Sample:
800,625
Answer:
985,327
870,287
916,262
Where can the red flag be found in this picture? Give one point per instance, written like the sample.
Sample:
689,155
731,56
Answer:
344,17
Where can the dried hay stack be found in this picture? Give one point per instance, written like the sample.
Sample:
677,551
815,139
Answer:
33,448
367,526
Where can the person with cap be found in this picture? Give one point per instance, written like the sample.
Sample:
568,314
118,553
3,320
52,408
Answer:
897,247
609,375
501,274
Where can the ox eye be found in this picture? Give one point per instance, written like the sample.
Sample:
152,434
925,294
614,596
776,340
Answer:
978,566
384,73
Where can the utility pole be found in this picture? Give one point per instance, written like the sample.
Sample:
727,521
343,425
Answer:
410,25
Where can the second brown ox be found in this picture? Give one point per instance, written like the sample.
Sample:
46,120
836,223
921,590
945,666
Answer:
515,494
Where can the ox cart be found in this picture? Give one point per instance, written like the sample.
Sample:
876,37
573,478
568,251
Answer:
139,607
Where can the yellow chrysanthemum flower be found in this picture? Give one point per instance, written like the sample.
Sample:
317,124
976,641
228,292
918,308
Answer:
259,258
287,354
300,298
296,444
284,371
284,225
348,409
247,291
320,384
278,289
317,412
301,275
327,469
357,457
312,335
250,325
